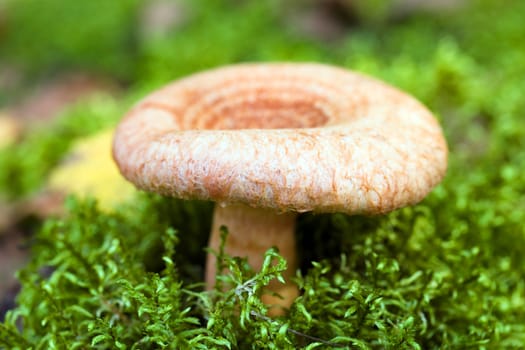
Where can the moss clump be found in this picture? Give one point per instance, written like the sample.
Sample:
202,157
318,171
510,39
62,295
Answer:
400,281
63,35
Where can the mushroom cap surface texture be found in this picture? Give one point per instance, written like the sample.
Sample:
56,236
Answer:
283,136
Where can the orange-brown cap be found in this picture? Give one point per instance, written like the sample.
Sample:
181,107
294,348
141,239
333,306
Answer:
290,137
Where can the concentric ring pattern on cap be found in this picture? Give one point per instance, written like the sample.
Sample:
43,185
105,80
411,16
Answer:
291,137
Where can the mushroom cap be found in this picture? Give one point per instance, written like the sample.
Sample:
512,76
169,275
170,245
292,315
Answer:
289,137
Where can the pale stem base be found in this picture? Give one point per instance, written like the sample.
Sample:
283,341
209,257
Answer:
251,232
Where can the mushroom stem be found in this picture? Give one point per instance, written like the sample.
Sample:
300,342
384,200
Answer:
251,232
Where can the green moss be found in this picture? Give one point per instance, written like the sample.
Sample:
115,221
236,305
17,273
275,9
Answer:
400,281
220,33
26,165
447,273
54,34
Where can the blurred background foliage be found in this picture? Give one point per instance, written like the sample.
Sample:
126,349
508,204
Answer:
448,273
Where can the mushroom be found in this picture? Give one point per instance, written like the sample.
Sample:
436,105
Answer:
268,141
